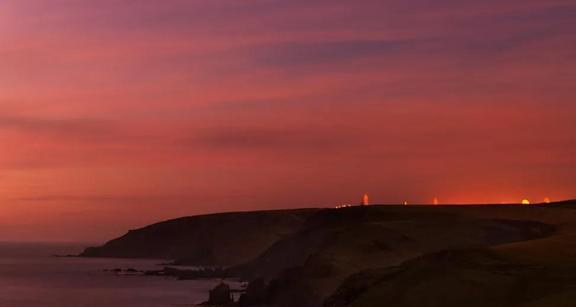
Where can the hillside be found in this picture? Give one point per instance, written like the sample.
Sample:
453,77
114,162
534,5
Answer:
537,273
336,244
380,255
217,239
527,273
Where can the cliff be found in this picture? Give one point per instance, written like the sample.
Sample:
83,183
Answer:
380,255
218,239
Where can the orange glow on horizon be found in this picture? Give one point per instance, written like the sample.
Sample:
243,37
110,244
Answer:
525,202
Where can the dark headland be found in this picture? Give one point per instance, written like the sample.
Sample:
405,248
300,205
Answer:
401,256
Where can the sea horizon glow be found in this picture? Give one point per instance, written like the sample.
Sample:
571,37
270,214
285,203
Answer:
117,114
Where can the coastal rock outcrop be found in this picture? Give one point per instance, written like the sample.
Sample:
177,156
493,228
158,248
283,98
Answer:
221,295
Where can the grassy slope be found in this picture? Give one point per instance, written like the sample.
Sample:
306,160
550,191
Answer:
334,244
533,273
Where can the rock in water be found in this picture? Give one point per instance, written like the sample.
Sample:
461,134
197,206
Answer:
221,295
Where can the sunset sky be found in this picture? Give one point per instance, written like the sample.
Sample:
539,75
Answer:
118,113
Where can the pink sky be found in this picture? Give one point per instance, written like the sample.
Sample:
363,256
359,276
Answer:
115,114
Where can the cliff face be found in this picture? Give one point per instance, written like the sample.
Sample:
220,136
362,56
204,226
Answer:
219,239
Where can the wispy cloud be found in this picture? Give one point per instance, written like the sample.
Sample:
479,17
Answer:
269,139
311,54
83,127
107,199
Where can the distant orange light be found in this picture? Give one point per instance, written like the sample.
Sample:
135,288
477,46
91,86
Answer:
365,200
525,202
547,200
436,201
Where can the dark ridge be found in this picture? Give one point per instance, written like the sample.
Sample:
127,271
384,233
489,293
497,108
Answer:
217,239
565,204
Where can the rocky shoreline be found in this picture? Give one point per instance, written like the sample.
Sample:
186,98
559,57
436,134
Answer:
180,274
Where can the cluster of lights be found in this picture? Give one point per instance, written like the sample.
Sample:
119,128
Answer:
527,201
435,202
342,206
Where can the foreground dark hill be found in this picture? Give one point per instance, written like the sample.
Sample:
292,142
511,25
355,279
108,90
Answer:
309,265
217,239
381,255
530,273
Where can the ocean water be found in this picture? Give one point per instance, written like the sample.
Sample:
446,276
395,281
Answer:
29,277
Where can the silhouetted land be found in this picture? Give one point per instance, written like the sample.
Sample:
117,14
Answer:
377,255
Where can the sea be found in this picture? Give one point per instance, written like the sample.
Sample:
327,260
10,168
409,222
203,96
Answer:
30,276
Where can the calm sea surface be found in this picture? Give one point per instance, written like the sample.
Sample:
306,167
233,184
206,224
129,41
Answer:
30,277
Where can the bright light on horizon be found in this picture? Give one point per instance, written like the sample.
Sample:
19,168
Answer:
365,200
